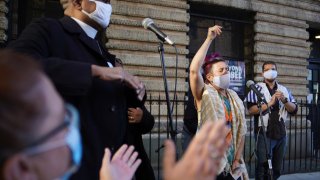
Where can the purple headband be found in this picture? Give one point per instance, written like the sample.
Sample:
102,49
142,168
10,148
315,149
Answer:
211,59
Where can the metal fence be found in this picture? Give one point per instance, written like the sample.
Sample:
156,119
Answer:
303,137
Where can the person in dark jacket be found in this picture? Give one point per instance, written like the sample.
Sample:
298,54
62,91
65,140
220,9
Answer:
140,122
190,122
85,74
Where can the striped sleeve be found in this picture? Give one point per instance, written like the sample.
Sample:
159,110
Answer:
252,97
291,98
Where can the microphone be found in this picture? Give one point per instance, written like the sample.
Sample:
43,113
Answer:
250,84
148,23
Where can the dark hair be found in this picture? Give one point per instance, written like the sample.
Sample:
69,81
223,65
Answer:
210,60
21,109
268,62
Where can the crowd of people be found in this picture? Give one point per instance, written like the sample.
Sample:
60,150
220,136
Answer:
69,110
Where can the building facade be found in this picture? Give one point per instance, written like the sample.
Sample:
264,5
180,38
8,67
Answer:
254,31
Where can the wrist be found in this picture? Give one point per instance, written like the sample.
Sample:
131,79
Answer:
268,104
237,160
284,100
210,38
94,70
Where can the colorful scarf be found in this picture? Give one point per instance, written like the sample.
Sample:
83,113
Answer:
212,109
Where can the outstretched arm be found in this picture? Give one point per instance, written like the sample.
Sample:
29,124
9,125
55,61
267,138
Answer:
196,81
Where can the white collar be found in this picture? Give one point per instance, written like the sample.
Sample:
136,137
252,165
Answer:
90,31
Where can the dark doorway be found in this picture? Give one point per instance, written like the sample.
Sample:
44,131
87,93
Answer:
23,12
236,42
314,63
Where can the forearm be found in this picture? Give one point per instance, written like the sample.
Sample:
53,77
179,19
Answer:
198,59
196,80
255,110
290,107
106,73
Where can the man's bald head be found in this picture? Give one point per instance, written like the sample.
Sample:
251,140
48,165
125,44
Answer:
22,108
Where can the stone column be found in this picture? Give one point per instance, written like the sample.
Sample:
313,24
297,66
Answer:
283,40
281,36
3,20
138,48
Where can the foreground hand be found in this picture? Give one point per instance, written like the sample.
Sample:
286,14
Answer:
122,166
214,31
135,115
202,156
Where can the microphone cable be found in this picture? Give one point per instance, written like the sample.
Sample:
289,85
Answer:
176,80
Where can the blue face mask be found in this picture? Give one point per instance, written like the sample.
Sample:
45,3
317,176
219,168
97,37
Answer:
73,141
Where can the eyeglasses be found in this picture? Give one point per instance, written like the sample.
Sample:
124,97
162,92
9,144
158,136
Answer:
42,144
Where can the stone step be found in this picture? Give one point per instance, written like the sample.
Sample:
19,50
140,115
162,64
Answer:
151,60
310,5
144,35
281,59
143,10
281,40
138,46
125,21
280,20
151,73
281,30
162,3
281,50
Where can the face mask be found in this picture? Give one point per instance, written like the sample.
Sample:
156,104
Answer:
102,13
222,82
73,141
270,74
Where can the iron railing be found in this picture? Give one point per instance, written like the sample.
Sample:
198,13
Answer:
303,137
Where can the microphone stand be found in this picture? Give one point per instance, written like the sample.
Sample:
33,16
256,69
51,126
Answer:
268,155
161,52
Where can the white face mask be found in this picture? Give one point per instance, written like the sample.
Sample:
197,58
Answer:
102,13
222,82
270,74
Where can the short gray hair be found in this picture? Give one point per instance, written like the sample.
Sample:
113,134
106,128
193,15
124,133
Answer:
64,4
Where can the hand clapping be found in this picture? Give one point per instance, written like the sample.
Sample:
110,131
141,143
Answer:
122,166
